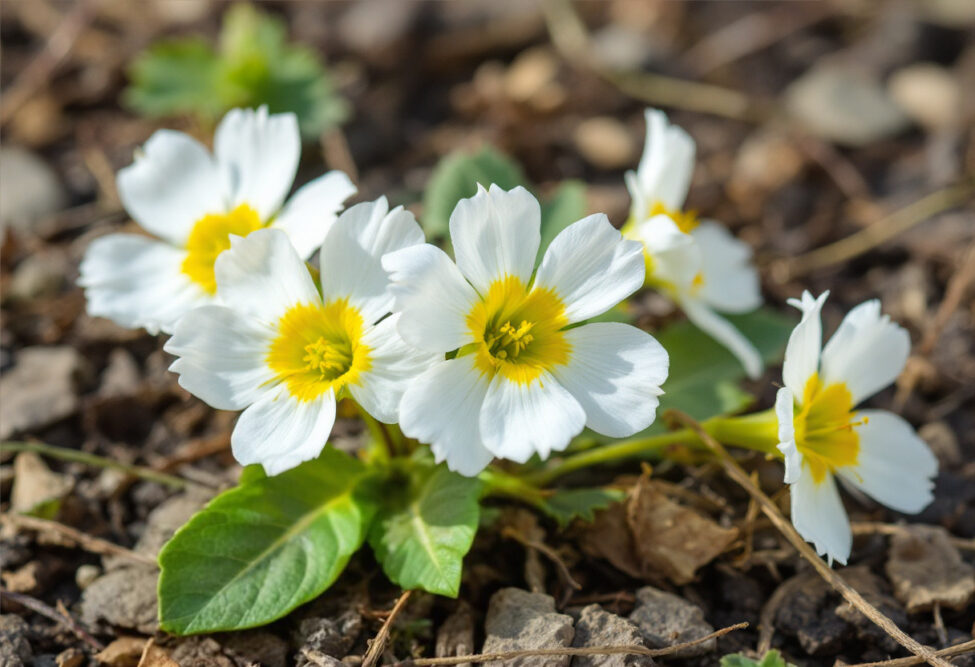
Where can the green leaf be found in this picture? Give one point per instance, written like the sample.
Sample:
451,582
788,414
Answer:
176,77
704,376
256,552
772,659
457,176
252,473
423,532
565,505
567,205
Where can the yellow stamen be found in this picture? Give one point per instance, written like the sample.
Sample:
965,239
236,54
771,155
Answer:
825,428
210,236
686,221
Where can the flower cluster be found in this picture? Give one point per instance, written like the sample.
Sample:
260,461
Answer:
490,354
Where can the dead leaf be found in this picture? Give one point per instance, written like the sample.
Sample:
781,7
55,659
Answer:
609,537
71,657
123,652
156,656
669,538
925,568
37,487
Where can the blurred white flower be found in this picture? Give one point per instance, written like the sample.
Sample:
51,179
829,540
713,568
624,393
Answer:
698,263
284,354
193,202
823,437
523,381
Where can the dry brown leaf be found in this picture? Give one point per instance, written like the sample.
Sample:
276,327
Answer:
156,656
669,538
609,537
36,485
123,652
926,568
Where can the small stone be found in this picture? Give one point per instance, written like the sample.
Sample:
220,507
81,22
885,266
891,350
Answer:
25,579
257,648
329,636
518,620
15,650
71,657
942,441
929,94
125,597
840,102
39,275
39,390
530,73
926,568
123,652
598,627
29,189
121,376
86,574
665,619
36,487
604,142
808,612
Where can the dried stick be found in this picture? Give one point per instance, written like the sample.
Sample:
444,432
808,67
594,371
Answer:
958,649
596,650
77,456
39,607
87,542
548,552
378,644
878,528
882,230
735,472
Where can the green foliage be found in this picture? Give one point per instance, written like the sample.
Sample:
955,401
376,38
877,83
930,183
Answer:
258,551
704,376
457,176
426,527
567,504
254,65
772,659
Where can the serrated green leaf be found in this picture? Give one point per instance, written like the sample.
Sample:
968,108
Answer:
176,77
772,659
566,206
256,552
422,533
565,505
457,176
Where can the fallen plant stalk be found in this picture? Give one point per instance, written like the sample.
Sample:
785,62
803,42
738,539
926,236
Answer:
959,649
87,542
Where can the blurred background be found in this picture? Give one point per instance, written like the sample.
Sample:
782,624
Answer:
815,122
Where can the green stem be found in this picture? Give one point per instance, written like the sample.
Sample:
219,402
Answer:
380,433
499,483
77,456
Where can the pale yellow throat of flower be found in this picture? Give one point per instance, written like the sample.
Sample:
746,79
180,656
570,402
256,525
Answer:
517,331
825,427
686,221
210,236
319,347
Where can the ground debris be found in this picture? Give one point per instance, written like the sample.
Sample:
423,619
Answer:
455,636
665,619
40,388
598,627
518,620
806,613
15,650
123,652
36,487
926,569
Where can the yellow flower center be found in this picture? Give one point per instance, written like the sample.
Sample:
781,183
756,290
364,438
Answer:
686,221
825,424
319,347
210,236
518,332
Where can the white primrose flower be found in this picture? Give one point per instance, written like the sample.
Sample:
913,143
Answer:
698,263
823,437
193,202
283,353
520,380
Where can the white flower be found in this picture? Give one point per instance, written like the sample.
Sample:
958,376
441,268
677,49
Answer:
283,353
821,435
193,202
699,263
523,380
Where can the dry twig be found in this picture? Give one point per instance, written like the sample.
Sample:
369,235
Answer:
736,473
87,542
959,649
378,644
67,621
545,550
596,650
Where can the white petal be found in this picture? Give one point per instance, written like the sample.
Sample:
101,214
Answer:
730,279
393,366
819,516
894,466
280,432
352,254
496,233
867,352
522,419
591,267
262,276
173,183
784,406
676,255
725,333
259,154
221,357
805,343
432,296
615,372
667,163
309,213
138,282
441,408
639,204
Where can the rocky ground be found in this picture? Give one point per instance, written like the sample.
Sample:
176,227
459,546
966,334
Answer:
814,120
